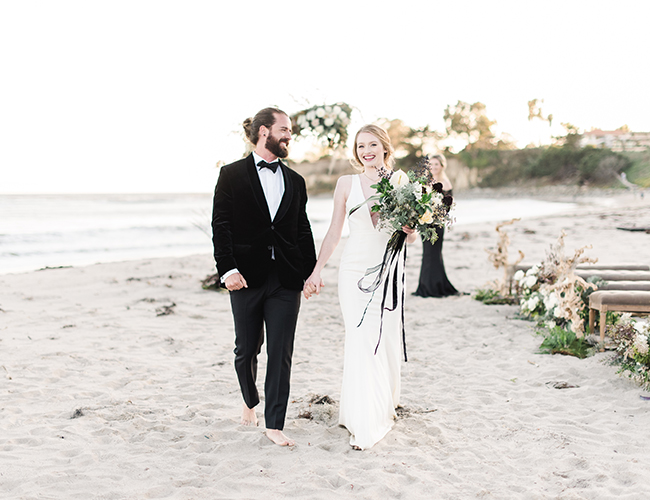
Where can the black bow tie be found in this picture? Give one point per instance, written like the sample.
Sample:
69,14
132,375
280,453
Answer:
273,166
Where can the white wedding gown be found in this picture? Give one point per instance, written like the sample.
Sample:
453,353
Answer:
371,382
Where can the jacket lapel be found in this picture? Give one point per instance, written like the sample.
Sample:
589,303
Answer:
287,197
256,186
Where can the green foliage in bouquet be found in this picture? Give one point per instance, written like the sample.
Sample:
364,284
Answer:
410,199
632,354
328,123
558,340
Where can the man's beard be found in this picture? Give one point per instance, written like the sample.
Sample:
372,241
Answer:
278,147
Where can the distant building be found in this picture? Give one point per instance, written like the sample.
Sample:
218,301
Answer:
616,140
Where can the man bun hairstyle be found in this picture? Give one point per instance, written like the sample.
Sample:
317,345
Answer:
265,117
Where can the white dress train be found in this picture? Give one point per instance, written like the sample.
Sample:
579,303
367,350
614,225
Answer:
371,382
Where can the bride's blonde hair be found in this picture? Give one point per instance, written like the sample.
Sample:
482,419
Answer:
380,134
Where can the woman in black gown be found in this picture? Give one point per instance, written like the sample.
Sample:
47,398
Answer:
433,279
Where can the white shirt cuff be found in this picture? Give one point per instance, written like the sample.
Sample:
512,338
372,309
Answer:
229,273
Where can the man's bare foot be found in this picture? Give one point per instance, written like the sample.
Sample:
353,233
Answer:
248,416
278,437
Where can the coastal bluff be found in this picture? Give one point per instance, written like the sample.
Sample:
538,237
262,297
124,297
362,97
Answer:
321,175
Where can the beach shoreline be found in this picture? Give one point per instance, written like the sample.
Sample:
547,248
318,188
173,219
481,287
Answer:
118,382
54,231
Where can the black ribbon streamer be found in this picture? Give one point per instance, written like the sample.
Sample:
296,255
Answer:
388,273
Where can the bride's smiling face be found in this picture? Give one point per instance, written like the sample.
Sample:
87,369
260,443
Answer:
370,150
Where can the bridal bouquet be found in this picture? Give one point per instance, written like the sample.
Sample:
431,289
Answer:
412,199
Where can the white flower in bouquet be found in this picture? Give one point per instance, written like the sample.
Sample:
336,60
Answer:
320,112
302,121
319,130
530,281
550,324
329,122
626,318
337,109
532,303
310,115
641,344
399,178
315,123
519,275
533,270
550,301
639,326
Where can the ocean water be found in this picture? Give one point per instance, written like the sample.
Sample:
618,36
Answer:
38,231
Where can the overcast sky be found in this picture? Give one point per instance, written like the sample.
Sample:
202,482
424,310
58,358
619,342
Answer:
147,96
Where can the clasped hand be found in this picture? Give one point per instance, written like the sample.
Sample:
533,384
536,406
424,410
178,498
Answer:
312,286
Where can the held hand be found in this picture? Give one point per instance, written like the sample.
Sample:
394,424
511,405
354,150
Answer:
235,282
408,230
312,286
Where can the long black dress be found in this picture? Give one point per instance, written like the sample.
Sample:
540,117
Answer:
433,278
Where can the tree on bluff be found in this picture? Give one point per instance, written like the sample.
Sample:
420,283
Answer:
571,140
410,143
471,123
535,111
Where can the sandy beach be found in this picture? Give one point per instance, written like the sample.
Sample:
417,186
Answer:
117,382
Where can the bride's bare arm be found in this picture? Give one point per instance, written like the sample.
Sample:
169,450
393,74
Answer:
333,236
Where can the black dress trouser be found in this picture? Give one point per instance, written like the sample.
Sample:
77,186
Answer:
276,308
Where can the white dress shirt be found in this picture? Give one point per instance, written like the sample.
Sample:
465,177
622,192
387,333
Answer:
272,185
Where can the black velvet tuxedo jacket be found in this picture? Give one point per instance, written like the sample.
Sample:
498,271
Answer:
244,235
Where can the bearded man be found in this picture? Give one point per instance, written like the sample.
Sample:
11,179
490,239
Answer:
264,251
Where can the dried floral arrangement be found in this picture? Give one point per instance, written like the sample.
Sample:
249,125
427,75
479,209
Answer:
552,293
632,352
499,291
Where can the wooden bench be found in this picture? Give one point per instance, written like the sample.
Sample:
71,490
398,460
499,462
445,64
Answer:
614,267
595,267
626,285
626,274
629,301
609,275
606,272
